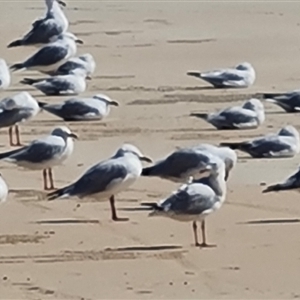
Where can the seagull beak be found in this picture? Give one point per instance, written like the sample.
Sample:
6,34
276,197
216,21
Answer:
62,3
115,103
74,136
226,175
146,159
79,42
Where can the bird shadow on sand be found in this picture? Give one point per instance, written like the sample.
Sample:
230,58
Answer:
66,222
145,248
270,222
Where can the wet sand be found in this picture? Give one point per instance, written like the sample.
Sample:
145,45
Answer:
57,250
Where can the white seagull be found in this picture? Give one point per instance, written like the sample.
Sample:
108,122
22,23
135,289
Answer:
44,153
17,109
51,56
47,29
84,61
194,201
72,84
107,178
285,143
81,109
248,116
241,76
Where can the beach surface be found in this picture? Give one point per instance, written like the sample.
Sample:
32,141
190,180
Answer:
70,249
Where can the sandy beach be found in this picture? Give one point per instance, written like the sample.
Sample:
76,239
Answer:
69,249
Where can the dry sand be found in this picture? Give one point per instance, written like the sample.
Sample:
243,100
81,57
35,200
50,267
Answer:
143,49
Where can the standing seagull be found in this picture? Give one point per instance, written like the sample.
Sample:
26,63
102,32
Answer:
289,101
44,153
293,182
242,76
249,116
107,178
84,61
47,29
72,84
285,143
194,201
52,55
4,75
17,109
81,109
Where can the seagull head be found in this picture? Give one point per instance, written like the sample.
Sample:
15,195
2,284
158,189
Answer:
61,3
245,66
289,131
106,99
254,104
87,57
64,132
131,149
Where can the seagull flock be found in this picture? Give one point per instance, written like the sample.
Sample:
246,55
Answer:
202,170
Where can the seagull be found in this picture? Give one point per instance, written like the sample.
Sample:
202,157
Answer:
286,143
242,76
47,29
84,61
52,55
4,75
107,178
249,116
17,109
194,201
44,153
293,182
289,101
81,109
3,190
72,84
227,155
180,165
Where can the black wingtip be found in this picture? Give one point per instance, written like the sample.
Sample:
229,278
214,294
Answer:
146,171
42,104
232,146
18,66
151,205
199,115
271,188
194,74
16,43
28,81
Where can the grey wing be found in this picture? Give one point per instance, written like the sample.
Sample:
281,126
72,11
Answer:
220,78
38,152
71,110
184,203
54,86
42,32
293,182
270,147
179,163
13,116
48,55
289,101
235,118
67,67
99,179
